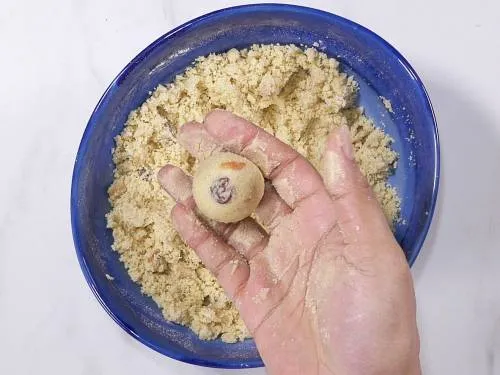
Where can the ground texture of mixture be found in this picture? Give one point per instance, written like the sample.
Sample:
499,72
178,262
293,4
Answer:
297,95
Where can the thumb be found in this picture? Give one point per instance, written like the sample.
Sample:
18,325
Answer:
349,188
340,172
360,215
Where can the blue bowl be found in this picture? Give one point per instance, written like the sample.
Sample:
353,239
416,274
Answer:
380,71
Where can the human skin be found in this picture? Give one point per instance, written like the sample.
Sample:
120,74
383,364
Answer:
320,282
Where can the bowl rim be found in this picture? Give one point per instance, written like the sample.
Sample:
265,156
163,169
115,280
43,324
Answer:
116,316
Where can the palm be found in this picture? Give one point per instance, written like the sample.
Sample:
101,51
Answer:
317,299
311,289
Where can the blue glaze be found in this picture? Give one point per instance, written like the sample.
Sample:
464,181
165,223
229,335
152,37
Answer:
377,66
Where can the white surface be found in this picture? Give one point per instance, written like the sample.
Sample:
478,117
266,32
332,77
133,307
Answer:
57,59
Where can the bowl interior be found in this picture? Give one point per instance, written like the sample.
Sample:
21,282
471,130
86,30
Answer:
379,70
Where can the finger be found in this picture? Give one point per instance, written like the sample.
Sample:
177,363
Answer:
294,178
177,184
226,264
340,172
246,236
271,209
357,207
194,138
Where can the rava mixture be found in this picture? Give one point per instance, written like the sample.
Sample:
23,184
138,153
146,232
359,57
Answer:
297,95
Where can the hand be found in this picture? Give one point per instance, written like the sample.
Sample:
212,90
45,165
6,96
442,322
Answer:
321,283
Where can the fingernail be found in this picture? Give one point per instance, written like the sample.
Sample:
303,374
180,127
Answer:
195,139
162,175
346,142
232,130
176,183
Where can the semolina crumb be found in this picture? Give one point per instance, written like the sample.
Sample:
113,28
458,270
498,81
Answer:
387,103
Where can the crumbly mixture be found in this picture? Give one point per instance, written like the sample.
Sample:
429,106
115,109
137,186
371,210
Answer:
297,95
387,103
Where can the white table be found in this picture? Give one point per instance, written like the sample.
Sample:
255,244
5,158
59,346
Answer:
57,58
